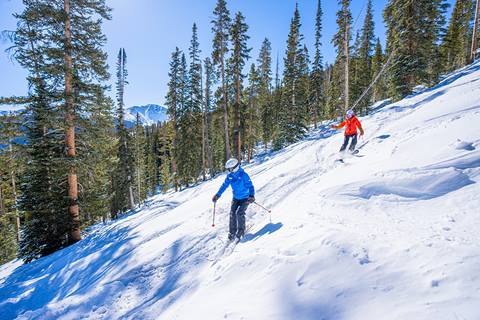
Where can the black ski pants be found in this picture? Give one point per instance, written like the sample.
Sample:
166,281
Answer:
352,145
237,217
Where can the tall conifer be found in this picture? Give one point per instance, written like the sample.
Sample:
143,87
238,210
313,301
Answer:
220,29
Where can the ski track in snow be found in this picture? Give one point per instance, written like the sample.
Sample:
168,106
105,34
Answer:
390,235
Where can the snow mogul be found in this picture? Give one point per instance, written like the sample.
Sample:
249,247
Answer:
243,195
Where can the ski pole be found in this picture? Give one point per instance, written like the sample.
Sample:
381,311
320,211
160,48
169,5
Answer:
213,222
269,211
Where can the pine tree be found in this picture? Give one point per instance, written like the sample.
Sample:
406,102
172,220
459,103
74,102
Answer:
414,29
455,48
12,164
97,156
304,88
173,103
354,69
317,70
292,121
70,127
140,160
341,41
46,226
67,75
123,199
475,33
190,120
365,75
252,114
435,27
240,54
208,110
188,159
220,29
379,87
264,62
165,134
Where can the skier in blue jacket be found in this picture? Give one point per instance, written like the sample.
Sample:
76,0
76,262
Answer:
243,195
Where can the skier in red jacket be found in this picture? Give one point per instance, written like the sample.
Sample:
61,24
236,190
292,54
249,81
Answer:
351,124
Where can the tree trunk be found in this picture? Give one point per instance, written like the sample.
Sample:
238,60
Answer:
174,148
236,126
475,30
250,132
70,131
2,203
204,161
207,125
131,201
225,112
347,62
15,199
316,108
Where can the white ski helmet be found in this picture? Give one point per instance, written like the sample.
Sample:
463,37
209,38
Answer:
232,165
350,113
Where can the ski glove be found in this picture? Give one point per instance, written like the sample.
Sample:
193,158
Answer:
251,199
215,198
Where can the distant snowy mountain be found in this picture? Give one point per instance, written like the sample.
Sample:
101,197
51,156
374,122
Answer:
149,114
7,109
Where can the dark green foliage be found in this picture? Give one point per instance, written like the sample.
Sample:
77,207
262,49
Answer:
265,104
317,85
379,88
43,197
292,121
414,30
240,53
123,176
8,243
12,165
189,120
152,149
341,41
96,162
455,49
364,73
139,152
252,115
221,27
40,47
208,110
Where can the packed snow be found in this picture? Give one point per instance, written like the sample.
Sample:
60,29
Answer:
392,233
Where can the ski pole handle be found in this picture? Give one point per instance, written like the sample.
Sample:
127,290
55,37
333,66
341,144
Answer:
213,222
269,211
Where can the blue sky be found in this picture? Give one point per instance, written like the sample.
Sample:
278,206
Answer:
149,30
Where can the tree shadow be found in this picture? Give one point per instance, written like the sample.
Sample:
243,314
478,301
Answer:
51,278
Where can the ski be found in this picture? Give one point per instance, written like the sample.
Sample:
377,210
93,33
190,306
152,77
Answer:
230,245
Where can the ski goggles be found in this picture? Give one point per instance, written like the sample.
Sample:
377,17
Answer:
234,169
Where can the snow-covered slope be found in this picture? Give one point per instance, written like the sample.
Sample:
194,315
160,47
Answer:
149,114
393,234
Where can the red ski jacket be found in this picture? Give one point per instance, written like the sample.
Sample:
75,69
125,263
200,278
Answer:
351,126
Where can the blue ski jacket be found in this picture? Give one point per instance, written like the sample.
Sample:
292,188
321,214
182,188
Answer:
242,186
